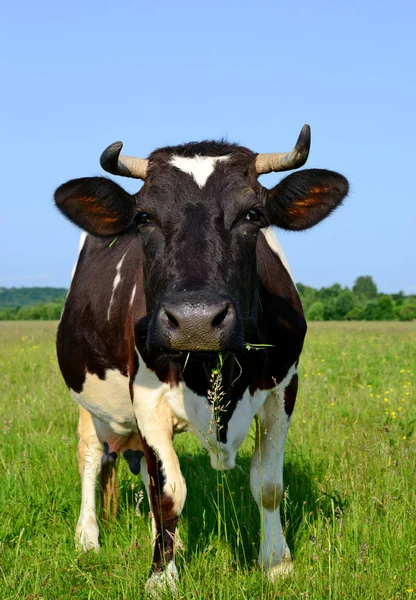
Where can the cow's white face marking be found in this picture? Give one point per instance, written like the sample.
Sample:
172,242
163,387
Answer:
199,167
116,283
270,233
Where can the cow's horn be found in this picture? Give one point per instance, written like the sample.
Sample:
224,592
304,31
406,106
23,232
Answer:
127,166
284,161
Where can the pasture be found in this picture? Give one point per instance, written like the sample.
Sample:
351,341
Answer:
349,507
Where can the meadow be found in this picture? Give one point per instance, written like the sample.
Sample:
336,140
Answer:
349,506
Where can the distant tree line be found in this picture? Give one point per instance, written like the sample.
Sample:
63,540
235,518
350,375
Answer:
361,303
30,296
31,303
48,311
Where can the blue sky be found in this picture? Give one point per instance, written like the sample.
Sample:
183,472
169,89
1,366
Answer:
77,76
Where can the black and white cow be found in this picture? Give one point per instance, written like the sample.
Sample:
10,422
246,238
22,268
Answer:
168,280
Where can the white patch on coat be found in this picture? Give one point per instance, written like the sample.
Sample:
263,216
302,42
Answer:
80,247
223,455
90,452
161,582
116,283
195,410
199,167
266,478
109,400
133,293
270,233
157,424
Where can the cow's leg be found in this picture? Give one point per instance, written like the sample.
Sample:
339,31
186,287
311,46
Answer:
90,453
167,491
145,477
109,487
266,475
165,484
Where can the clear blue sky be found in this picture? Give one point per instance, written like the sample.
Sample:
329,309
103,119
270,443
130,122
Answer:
76,76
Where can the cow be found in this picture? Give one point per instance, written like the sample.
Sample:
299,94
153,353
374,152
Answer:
183,315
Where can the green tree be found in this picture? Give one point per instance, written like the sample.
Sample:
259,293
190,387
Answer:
385,311
379,310
407,312
364,287
316,312
370,311
330,310
344,303
330,292
307,295
355,314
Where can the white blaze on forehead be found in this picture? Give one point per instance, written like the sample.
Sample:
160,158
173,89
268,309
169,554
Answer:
116,283
270,233
199,167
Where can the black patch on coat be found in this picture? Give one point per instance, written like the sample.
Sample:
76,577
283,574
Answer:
290,395
134,457
108,457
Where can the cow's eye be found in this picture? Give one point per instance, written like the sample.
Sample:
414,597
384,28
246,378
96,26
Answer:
254,215
142,219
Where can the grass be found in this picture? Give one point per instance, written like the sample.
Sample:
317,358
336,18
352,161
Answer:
349,507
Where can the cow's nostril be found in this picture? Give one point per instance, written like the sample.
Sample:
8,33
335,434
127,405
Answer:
172,320
219,318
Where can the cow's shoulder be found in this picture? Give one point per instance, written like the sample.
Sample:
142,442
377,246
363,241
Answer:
105,300
280,320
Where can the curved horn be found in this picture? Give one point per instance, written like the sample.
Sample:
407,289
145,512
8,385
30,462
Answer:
284,161
127,166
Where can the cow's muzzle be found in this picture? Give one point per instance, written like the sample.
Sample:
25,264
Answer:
195,326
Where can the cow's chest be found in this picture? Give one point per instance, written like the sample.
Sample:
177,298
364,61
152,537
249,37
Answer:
161,407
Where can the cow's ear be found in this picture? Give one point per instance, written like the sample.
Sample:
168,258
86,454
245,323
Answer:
304,198
97,205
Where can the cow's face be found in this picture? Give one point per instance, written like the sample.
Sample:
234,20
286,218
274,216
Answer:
198,217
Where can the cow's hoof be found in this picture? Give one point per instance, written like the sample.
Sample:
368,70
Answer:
282,569
277,568
162,581
86,537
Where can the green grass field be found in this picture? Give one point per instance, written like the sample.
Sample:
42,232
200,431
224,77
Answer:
350,483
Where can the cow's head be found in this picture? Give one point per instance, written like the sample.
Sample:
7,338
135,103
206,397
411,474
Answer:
198,217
